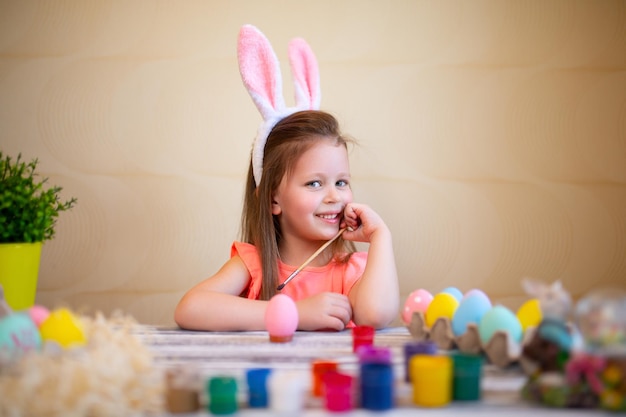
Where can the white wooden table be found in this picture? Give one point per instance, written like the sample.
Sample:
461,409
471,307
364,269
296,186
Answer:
232,353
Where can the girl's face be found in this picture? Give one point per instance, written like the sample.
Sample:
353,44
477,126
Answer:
309,202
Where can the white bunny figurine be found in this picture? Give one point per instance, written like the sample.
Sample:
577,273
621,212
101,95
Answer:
555,303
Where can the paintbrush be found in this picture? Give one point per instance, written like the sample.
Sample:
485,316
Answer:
308,261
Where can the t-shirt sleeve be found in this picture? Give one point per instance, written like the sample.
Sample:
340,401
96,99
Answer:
251,259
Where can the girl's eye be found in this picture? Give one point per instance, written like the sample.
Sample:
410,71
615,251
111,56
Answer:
342,183
314,184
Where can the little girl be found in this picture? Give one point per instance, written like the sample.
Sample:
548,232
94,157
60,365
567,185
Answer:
298,197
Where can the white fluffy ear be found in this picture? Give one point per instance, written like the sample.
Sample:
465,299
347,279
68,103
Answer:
533,287
260,71
306,76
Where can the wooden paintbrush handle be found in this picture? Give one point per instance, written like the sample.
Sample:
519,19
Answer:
309,259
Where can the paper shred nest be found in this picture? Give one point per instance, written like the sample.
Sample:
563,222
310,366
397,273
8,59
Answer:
113,375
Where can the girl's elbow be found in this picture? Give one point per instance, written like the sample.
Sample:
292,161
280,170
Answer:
179,317
182,315
375,319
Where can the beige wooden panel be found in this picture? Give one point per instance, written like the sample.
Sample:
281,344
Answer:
492,136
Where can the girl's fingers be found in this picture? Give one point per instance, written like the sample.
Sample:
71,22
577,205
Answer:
351,218
341,309
338,324
339,317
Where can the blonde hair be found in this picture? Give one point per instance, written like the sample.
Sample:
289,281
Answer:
287,141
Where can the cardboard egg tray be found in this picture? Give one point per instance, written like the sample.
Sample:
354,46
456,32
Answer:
500,350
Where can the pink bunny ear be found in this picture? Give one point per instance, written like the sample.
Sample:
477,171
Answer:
260,71
305,75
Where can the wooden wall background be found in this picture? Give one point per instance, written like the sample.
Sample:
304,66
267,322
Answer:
492,136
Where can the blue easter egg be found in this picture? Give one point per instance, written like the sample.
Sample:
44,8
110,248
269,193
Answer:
18,334
455,292
470,310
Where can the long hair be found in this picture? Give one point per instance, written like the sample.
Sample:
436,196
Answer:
287,141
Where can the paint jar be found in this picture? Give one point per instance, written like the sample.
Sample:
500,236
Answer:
257,387
374,354
222,395
467,371
286,392
182,393
426,347
377,382
337,391
431,376
362,336
318,369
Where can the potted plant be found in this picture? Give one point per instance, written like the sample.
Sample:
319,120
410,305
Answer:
28,214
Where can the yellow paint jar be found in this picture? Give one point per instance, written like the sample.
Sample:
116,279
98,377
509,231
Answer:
431,376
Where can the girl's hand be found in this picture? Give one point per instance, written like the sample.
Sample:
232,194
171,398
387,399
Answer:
361,222
324,311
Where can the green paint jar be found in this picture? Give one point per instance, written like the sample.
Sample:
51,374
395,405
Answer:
467,372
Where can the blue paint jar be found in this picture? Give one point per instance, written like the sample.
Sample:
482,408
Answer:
257,387
377,391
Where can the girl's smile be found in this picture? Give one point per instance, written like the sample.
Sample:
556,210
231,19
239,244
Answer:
332,218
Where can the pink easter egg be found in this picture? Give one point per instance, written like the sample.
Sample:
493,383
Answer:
38,314
477,292
281,318
418,300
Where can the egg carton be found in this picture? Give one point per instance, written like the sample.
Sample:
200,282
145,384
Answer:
501,350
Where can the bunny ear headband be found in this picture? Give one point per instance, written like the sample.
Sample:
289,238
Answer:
260,72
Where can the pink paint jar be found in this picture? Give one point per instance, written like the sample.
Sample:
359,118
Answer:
338,391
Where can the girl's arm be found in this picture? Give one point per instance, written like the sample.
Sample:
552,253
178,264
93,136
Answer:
375,296
215,304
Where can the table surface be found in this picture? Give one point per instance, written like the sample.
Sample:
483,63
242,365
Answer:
207,354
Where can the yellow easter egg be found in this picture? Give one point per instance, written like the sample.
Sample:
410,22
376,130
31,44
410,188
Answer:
64,328
442,305
529,314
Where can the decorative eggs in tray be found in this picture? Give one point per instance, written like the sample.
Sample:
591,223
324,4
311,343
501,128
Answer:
470,323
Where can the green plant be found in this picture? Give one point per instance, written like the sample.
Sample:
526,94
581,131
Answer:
28,212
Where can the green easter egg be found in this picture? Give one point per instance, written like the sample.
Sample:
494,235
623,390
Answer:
499,318
18,334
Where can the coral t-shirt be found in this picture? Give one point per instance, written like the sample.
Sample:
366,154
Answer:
334,277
